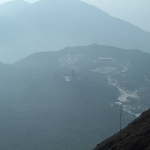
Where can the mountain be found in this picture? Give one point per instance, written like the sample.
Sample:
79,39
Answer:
135,136
70,99
11,39
120,68
6,31
14,8
53,25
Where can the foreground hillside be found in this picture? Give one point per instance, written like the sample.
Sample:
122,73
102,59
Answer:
136,136
70,99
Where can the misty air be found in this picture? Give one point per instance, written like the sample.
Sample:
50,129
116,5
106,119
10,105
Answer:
74,75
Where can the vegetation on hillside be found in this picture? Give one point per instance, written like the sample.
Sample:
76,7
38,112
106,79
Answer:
136,136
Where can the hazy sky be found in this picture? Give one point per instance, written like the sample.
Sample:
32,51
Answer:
30,1
136,12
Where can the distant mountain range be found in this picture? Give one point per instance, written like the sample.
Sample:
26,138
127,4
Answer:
135,136
14,8
70,99
52,25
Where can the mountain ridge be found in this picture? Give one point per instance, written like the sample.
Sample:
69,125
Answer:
49,26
